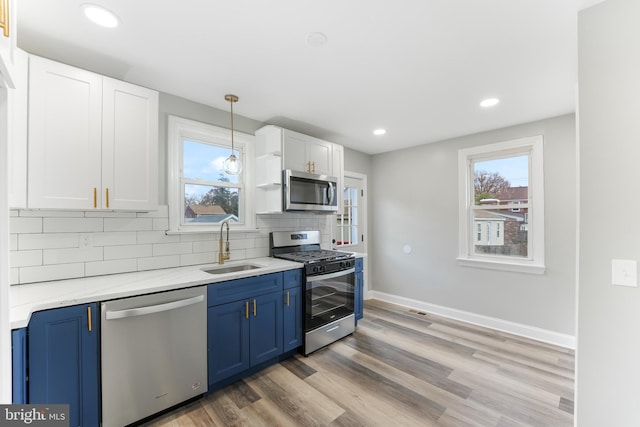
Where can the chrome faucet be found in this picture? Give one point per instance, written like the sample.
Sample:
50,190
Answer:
226,255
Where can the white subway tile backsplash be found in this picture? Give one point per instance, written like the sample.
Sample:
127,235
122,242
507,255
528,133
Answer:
206,246
160,224
46,273
99,268
54,245
25,258
128,224
257,252
158,262
18,224
48,241
70,225
199,258
71,255
156,237
192,237
127,251
161,249
114,238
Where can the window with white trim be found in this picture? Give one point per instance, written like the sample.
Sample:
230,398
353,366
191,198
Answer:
201,195
501,190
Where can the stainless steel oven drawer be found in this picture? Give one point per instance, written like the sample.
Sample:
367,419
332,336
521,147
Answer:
329,333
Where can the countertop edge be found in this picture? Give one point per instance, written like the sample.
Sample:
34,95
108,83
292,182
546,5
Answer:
27,299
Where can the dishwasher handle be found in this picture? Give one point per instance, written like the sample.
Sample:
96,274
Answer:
150,309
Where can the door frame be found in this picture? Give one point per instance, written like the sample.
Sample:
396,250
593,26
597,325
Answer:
362,229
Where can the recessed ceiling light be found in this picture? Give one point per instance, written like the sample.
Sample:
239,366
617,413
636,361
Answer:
315,39
101,16
379,132
489,102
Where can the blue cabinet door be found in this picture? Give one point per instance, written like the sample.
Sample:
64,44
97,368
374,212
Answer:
63,361
19,362
228,339
292,318
266,327
358,297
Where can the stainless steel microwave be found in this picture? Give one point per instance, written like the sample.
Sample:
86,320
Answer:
309,192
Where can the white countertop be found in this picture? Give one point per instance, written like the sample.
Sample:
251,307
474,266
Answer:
29,298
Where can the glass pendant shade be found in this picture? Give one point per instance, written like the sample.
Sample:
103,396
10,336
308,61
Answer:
232,165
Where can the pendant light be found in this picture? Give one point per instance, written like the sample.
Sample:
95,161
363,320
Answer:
232,165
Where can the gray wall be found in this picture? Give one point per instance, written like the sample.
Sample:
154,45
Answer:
415,202
608,353
174,105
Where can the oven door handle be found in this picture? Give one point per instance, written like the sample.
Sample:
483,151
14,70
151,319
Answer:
330,275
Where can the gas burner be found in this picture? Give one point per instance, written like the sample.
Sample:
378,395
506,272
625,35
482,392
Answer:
321,255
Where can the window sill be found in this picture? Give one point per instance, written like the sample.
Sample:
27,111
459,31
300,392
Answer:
212,230
517,267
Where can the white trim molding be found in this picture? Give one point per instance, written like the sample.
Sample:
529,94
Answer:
532,332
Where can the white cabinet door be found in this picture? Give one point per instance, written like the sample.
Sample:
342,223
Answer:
64,154
129,146
338,172
17,131
93,140
307,154
294,150
320,154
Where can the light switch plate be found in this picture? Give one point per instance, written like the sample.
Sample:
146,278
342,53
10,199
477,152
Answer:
624,272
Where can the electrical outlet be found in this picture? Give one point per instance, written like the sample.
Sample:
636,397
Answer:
624,272
85,240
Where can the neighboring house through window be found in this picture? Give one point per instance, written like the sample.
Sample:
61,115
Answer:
201,195
501,206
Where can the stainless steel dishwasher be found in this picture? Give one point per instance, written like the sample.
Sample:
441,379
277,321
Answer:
154,353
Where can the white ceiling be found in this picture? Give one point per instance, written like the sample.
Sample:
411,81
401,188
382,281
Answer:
418,68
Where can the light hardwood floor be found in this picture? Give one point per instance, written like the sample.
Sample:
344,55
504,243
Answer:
401,368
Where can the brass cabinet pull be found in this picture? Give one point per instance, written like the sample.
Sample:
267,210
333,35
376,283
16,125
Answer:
309,167
246,309
107,193
313,167
254,308
95,197
287,298
89,318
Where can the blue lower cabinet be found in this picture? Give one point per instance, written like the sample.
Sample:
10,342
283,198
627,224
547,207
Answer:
63,361
266,328
358,297
246,332
292,316
228,339
19,363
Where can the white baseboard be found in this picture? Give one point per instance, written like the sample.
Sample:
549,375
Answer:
544,335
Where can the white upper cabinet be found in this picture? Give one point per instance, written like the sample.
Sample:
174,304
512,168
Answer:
93,141
278,149
17,131
129,146
307,154
8,42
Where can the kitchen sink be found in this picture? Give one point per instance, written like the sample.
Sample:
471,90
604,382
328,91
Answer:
231,269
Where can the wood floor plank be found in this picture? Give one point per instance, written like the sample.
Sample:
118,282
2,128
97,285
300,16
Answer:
291,395
401,368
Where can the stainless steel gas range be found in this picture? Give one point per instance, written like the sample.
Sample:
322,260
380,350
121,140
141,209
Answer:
329,284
